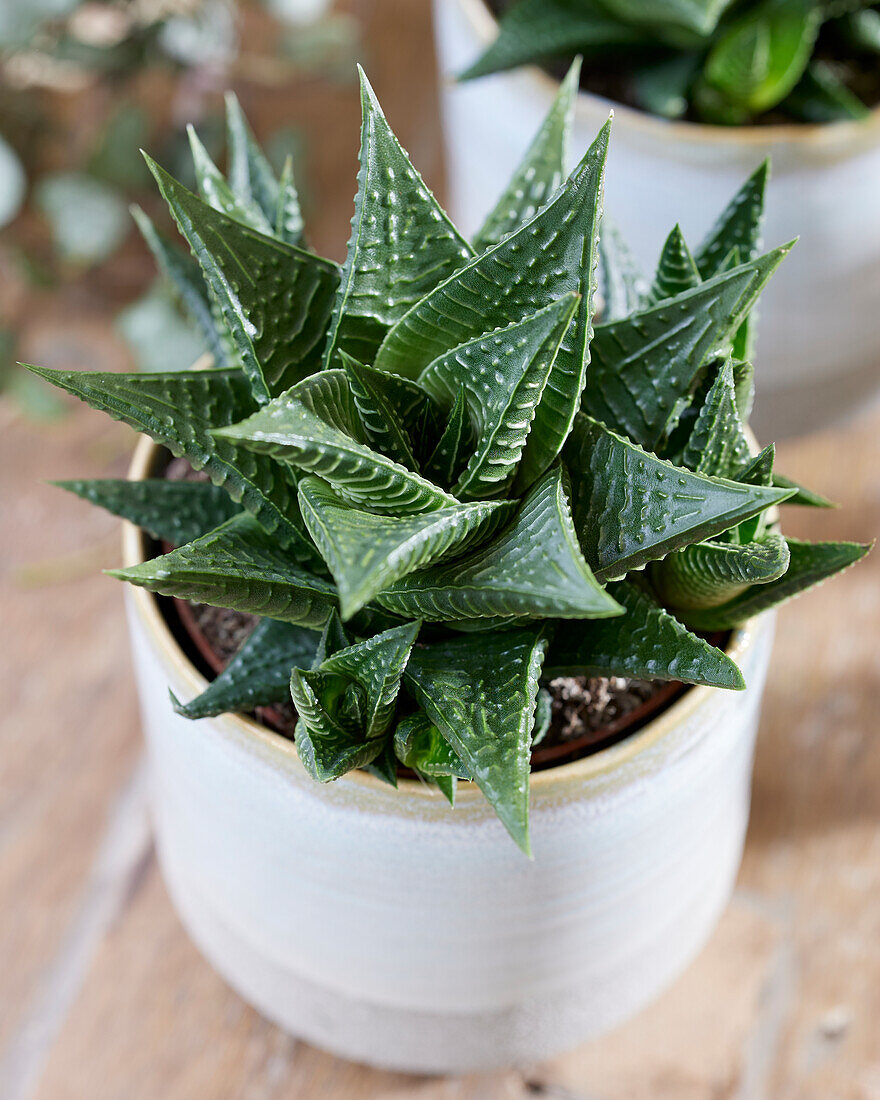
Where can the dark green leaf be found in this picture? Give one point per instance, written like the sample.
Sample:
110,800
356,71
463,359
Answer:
717,445
503,375
810,564
801,494
218,194
738,226
631,507
347,703
645,643
480,692
543,716
250,174
673,20
553,254
534,567
448,458
367,553
759,470
676,269
275,298
763,54
821,96
315,426
289,224
259,674
179,410
643,365
708,574
532,30
174,511
420,745
402,243
242,567
662,87
386,404
541,170
621,287
185,275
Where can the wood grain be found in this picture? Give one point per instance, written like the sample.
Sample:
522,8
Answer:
103,996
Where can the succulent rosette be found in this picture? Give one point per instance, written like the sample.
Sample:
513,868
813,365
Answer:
448,471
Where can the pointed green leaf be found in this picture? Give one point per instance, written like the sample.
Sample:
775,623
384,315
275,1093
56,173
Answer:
743,380
448,458
676,269
420,745
739,226
543,716
759,470
377,665
663,87
533,30
552,255
275,299
802,495
762,55
250,174
238,566
258,675
821,95
645,643
386,405
384,766
810,564
315,426
622,290
717,445
218,194
347,703
402,243
333,638
675,21
329,734
534,567
631,507
480,693
708,574
185,275
179,410
367,553
541,170
503,375
643,365
288,221
175,511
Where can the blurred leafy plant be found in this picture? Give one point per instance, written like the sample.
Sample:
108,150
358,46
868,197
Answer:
718,61
434,477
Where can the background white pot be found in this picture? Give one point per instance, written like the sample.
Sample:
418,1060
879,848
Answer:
819,336
389,929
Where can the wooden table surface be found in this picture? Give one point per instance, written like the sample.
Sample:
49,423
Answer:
103,997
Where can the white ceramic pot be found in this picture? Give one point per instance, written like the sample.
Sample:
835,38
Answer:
819,339
390,929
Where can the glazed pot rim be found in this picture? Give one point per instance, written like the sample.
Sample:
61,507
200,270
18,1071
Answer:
600,763
809,134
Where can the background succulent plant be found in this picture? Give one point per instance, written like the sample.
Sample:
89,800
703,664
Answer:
719,61
433,479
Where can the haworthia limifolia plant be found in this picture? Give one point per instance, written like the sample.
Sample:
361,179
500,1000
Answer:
438,474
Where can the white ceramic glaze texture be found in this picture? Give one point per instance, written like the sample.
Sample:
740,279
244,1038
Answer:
390,929
819,338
